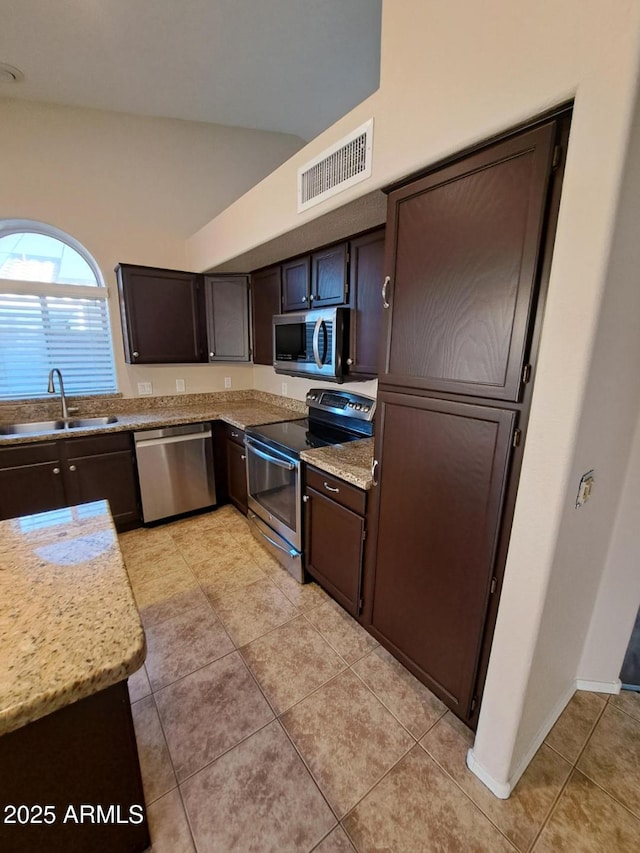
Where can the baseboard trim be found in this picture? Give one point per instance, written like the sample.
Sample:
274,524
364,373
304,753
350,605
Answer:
500,789
613,687
503,789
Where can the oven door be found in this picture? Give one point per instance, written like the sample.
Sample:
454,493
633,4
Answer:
274,491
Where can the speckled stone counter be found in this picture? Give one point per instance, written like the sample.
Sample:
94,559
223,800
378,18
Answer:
351,462
239,413
69,626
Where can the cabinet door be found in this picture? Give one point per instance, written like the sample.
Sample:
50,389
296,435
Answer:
107,475
31,488
237,475
333,548
295,285
441,489
163,315
329,276
366,265
266,300
462,256
227,304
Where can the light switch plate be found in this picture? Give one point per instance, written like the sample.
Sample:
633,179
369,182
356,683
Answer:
227,382
584,489
180,386
145,388
284,389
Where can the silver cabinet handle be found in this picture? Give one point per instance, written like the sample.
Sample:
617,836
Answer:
373,472
304,298
234,435
350,361
72,467
387,281
305,498
311,298
330,488
136,354
56,471
211,354
243,457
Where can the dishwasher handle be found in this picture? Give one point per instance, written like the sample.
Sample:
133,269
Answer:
172,439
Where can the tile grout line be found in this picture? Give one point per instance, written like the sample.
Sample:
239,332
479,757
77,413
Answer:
469,797
574,769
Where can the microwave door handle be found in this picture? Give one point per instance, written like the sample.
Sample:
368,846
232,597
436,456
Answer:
268,458
316,342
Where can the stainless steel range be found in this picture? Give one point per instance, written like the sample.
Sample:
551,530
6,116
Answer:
273,466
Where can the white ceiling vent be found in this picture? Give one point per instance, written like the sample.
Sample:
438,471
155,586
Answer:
344,164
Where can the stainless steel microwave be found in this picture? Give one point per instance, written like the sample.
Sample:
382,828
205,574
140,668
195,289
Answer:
311,343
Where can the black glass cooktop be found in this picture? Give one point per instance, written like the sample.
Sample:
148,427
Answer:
294,436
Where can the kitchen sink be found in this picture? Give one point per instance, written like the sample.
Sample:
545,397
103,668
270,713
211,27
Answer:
89,422
25,429
53,426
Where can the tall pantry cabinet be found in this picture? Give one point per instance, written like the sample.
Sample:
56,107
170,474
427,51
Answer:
466,252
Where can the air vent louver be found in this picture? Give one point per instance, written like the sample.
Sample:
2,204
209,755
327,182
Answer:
344,164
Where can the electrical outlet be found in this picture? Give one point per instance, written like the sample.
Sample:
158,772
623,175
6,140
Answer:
180,386
584,489
284,389
227,382
145,388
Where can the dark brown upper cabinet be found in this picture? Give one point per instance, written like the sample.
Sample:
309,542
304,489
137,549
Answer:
163,315
366,265
316,281
329,276
442,485
462,260
227,304
296,281
266,300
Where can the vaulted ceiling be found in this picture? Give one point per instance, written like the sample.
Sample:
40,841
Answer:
293,66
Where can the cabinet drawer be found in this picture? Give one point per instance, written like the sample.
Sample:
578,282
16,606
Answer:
338,490
28,454
234,433
93,444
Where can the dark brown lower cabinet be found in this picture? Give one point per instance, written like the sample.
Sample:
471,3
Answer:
49,475
334,537
30,479
101,467
236,469
81,757
441,489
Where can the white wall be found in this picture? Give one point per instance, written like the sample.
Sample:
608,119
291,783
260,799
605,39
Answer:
266,379
131,189
618,597
453,73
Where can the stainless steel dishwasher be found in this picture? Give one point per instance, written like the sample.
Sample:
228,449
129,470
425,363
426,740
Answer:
175,467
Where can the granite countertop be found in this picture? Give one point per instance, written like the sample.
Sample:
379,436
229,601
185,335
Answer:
241,414
351,462
69,626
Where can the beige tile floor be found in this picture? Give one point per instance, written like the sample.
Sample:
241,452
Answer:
268,720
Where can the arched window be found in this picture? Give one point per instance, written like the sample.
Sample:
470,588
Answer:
53,313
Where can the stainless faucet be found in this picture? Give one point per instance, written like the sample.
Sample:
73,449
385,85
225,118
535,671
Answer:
51,389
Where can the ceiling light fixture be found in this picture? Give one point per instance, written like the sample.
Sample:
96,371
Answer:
10,74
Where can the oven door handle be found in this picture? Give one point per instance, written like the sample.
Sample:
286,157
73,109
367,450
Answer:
316,342
290,551
289,466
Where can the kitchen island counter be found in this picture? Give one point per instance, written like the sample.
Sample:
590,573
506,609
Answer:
69,626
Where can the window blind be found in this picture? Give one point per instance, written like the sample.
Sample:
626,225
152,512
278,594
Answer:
39,332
